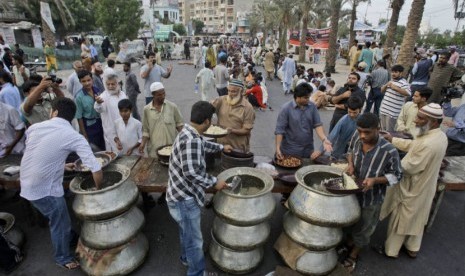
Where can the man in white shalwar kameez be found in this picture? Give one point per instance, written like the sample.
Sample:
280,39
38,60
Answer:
206,80
198,58
409,202
107,105
289,71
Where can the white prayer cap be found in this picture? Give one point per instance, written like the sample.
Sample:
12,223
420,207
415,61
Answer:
432,110
155,86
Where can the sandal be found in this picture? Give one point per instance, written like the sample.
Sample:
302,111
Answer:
70,266
349,263
382,251
411,254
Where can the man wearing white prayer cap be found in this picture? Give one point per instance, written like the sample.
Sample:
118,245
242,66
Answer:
409,202
161,121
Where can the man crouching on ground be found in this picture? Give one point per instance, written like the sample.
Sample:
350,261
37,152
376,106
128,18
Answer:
187,181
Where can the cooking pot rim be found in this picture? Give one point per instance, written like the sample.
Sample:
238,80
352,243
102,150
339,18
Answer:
75,184
301,173
267,180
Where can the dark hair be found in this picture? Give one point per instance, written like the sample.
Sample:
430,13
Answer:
425,92
397,68
328,74
19,59
124,104
29,84
150,54
368,44
302,90
6,76
208,64
355,74
128,64
83,73
356,41
66,108
359,47
35,77
322,88
446,54
111,63
368,120
354,102
381,63
202,111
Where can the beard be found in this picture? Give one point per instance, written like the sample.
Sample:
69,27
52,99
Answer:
233,101
113,91
422,130
98,72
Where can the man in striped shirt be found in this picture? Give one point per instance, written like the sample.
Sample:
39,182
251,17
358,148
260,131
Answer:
395,93
187,180
375,161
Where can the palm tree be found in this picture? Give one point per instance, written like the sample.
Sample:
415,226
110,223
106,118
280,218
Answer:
285,8
305,6
353,17
331,53
411,34
396,6
320,14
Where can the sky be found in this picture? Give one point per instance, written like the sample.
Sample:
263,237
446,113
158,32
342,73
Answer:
439,13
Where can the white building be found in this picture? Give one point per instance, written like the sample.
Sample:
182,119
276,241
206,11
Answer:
167,9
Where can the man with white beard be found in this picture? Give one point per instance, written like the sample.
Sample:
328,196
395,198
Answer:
409,202
237,115
107,105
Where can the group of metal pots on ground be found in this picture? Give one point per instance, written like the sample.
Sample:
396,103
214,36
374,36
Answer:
240,227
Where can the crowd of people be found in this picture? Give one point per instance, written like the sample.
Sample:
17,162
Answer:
99,112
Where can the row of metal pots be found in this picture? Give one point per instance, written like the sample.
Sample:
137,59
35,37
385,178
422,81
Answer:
240,228
315,219
111,222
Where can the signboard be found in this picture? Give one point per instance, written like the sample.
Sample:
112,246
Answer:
317,38
9,36
36,38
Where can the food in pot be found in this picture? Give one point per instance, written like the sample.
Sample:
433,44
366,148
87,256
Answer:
342,166
349,182
216,130
84,168
165,151
290,162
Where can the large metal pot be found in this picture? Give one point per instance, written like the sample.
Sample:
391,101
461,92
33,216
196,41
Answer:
228,161
117,195
317,262
110,233
311,236
235,262
317,206
126,261
252,205
240,238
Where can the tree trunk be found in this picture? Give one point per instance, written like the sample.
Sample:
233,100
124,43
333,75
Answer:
331,52
49,36
282,38
392,27
353,17
303,37
406,57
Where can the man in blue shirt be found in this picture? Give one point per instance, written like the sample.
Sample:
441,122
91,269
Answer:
456,129
343,131
296,121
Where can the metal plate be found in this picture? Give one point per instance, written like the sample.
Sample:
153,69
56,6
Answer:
107,158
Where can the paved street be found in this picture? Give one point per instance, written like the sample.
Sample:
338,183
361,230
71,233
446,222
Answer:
442,252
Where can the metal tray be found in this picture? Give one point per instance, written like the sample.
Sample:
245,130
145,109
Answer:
106,156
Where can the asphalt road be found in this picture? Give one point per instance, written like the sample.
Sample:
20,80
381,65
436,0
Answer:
442,252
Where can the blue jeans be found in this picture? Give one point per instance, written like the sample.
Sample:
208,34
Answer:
187,214
55,209
374,97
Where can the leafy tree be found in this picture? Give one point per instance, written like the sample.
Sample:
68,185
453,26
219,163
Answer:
83,14
120,19
198,26
179,28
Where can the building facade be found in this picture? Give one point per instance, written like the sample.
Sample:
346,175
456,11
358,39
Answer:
219,16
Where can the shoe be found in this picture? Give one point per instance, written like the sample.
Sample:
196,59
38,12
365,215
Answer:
382,251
